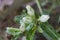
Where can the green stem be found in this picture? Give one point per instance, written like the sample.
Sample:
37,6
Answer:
30,34
38,4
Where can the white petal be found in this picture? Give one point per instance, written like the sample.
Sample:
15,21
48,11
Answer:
30,10
44,18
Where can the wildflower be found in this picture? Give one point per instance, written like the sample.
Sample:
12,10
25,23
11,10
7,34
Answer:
44,18
24,21
30,10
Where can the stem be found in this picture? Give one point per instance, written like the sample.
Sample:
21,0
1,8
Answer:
30,34
40,9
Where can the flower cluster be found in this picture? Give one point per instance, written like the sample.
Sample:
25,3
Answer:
28,23
27,19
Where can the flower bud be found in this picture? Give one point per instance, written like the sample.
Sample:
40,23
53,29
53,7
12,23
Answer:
44,18
30,10
27,19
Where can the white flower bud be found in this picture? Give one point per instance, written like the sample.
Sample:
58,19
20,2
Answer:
30,10
7,28
44,18
22,27
24,38
27,19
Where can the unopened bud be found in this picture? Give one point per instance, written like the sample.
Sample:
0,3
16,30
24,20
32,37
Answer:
27,19
30,10
44,18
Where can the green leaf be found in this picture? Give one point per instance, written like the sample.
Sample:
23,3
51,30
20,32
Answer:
40,29
31,33
29,26
46,35
19,17
13,31
49,30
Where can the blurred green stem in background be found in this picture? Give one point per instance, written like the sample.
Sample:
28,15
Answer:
40,9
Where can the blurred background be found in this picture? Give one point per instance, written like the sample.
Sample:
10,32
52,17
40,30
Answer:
10,8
